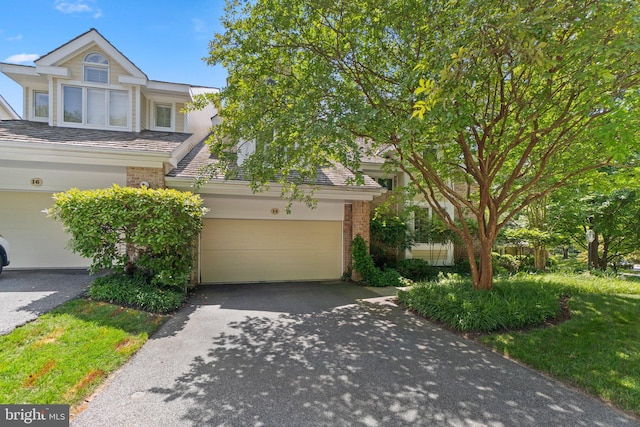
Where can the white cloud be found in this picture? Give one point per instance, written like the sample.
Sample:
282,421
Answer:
15,38
78,6
21,58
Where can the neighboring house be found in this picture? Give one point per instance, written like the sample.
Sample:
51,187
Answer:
6,112
435,253
93,118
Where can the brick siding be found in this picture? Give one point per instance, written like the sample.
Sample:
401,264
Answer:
154,176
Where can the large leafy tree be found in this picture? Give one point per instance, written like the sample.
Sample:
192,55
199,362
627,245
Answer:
512,98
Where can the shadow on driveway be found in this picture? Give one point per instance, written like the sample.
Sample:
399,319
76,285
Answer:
26,294
327,354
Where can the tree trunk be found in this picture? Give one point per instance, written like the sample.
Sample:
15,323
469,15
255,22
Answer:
540,258
485,269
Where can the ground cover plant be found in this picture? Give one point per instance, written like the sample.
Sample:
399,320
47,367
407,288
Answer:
65,354
137,291
512,303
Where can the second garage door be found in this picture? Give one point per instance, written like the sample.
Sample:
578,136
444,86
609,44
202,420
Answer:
266,250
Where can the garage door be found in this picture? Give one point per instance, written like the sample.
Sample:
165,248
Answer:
36,240
264,250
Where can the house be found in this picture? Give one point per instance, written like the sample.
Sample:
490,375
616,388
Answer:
92,118
425,246
6,111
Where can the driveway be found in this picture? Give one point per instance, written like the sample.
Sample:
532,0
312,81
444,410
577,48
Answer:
326,354
26,294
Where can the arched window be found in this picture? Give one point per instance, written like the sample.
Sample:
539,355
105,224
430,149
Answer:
96,68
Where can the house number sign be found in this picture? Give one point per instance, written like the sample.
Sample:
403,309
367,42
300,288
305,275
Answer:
275,211
37,182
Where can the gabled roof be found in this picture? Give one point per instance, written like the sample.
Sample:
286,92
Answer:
334,176
23,131
4,105
91,37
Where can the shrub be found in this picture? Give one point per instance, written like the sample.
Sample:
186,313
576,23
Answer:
372,275
136,291
505,263
416,269
512,303
118,227
389,234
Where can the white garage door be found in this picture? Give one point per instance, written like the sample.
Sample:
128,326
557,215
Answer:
267,250
36,240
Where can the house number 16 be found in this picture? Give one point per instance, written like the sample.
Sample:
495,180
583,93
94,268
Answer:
36,182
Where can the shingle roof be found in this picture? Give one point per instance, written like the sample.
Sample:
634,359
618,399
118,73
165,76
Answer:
337,176
42,133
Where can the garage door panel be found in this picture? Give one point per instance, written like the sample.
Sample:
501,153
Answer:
258,250
37,241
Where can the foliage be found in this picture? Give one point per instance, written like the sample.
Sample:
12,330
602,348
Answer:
613,215
510,95
416,270
64,355
513,303
149,229
372,275
389,234
506,262
136,291
597,349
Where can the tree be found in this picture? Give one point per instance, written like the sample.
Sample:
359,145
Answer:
126,228
512,97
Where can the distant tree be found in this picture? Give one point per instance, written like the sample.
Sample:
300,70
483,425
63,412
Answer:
513,97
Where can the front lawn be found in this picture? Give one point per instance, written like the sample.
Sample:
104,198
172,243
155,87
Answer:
597,349
61,357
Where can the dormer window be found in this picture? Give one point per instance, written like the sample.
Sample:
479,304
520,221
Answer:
96,68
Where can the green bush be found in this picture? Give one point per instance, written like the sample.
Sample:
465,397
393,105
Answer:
505,263
136,291
417,270
512,303
372,275
149,229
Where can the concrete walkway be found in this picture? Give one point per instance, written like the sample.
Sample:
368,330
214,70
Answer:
26,294
326,354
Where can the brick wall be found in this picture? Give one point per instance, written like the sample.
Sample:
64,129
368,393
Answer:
154,176
347,238
360,225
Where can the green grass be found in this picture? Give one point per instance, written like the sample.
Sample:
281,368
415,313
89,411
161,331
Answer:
62,356
598,349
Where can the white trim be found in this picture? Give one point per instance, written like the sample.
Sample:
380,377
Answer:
84,86
241,188
32,107
130,80
92,37
152,116
9,109
54,71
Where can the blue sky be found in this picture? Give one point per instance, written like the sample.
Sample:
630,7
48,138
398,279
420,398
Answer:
165,39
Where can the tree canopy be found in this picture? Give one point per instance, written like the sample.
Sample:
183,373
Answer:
511,98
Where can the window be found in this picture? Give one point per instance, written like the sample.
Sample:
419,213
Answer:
41,105
96,68
95,106
162,116
428,228
72,104
386,183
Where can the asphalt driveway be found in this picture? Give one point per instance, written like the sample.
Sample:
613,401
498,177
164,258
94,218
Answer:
326,354
26,294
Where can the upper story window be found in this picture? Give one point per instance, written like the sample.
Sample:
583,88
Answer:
96,68
41,105
163,115
95,107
